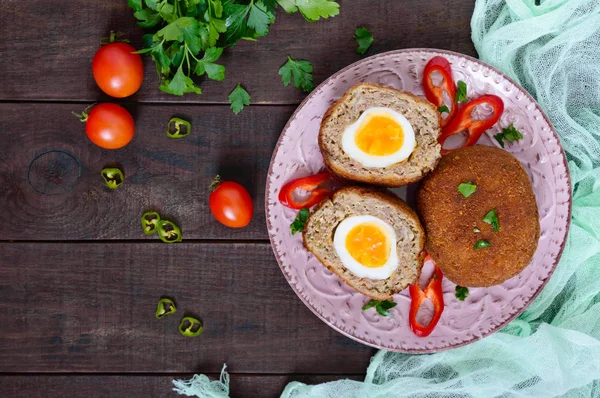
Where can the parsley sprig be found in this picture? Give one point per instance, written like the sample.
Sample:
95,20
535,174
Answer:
190,35
381,306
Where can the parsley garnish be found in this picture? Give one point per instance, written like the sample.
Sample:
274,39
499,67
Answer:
364,38
467,189
300,221
510,134
189,35
301,71
492,219
443,109
461,292
461,92
481,244
381,306
238,98
311,10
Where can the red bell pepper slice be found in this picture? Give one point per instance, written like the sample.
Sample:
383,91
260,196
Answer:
418,296
435,94
311,184
475,128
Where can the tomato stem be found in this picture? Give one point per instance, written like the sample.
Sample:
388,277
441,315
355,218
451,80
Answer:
215,183
83,116
113,38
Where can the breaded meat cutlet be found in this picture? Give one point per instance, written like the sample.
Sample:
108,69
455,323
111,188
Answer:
452,221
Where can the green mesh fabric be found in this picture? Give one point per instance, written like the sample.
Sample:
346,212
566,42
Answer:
553,348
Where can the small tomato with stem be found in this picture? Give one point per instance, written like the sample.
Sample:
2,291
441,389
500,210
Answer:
116,69
230,203
108,125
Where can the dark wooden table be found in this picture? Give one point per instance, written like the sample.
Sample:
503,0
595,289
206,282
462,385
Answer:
79,283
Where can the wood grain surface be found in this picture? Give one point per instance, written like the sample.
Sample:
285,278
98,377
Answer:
89,307
53,190
133,386
79,282
47,46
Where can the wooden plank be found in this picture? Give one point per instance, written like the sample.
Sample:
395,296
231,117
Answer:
52,188
89,307
48,45
91,386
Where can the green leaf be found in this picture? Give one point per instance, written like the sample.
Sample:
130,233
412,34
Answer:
301,71
300,221
166,11
313,10
191,36
461,92
510,134
443,109
271,6
370,304
180,84
238,98
364,38
135,4
467,189
163,63
217,8
388,304
260,18
481,244
288,5
151,4
207,65
476,230
147,18
174,30
492,218
236,21
383,306
461,292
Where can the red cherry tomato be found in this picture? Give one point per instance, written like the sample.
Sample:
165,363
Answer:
117,71
109,125
230,203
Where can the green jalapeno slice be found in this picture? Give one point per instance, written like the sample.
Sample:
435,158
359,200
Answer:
178,128
190,327
168,232
165,307
113,177
150,220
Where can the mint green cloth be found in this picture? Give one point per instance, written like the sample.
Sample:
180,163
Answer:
553,348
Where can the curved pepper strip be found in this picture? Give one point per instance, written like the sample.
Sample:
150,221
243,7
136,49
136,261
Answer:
168,232
113,177
150,220
311,184
418,296
176,123
193,329
435,94
165,307
475,128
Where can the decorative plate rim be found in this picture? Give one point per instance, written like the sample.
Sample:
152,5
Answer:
556,258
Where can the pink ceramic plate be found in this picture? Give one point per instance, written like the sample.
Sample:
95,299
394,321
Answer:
486,309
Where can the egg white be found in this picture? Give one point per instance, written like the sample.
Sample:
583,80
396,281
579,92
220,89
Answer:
349,140
339,243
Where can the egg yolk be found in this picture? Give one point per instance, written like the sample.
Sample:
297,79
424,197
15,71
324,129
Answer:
379,135
368,245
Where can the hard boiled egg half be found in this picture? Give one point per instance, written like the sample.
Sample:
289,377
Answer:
380,137
366,245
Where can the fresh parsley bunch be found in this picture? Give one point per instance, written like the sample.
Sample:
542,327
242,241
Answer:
191,34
